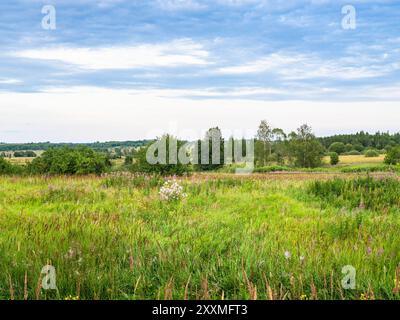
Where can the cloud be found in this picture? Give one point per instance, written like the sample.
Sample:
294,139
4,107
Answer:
10,81
292,66
173,5
183,52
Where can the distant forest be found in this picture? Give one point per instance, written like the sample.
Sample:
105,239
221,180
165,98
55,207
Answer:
362,140
99,146
359,141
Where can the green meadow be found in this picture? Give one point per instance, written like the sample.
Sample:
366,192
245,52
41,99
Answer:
283,235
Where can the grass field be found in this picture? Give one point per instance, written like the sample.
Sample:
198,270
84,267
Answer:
20,160
263,236
354,160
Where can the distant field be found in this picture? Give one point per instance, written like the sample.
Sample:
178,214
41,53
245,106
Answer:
21,160
361,159
233,237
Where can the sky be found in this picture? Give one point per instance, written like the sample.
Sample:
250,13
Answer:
128,70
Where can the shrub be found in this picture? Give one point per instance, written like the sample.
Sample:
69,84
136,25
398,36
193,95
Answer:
80,160
272,168
6,167
371,153
334,158
393,156
26,154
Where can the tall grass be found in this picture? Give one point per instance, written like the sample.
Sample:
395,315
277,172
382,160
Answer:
365,193
113,238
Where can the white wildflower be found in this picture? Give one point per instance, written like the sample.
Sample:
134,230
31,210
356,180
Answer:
171,190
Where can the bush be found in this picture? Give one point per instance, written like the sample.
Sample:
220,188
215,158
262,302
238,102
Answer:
24,154
371,153
273,168
80,160
5,167
334,158
393,156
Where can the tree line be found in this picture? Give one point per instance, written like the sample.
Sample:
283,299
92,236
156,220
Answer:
101,146
271,146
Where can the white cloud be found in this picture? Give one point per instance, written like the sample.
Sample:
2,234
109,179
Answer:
10,81
305,66
183,52
180,5
272,62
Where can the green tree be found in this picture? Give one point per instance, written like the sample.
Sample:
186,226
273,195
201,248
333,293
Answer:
393,156
265,136
349,147
338,147
67,160
334,158
305,148
279,145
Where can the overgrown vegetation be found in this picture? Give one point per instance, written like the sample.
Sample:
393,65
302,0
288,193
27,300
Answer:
363,193
334,158
393,156
113,237
164,164
81,160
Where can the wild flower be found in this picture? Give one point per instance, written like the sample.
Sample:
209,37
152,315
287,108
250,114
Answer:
70,297
288,255
302,258
303,297
172,191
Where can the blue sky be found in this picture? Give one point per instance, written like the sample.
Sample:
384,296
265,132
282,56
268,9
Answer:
126,69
